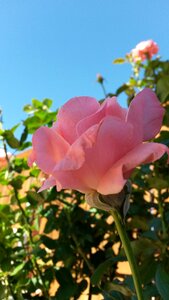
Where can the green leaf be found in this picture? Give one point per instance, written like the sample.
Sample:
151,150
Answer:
144,247
36,103
163,138
15,127
17,269
32,123
147,273
158,183
34,197
118,288
163,88
68,287
51,117
47,102
39,252
18,181
150,292
4,177
100,271
138,222
11,140
20,164
2,291
24,135
41,114
19,296
162,282
34,172
119,60
28,108
48,242
132,82
25,146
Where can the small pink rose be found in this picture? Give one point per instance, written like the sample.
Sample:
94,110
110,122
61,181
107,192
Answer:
95,147
143,50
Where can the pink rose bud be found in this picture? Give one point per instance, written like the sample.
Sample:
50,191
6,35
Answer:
143,50
95,147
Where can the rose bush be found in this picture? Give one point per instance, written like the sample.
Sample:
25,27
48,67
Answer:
143,50
95,147
78,244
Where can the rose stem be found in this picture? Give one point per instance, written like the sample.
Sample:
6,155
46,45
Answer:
129,253
104,90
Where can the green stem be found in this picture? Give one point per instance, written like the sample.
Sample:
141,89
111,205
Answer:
104,90
129,253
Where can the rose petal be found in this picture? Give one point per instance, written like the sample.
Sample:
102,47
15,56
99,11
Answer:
112,182
71,113
146,115
71,171
75,156
110,146
48,183
109,107
143,154
75,180
87,162
49,148
31,158
100,146
115,178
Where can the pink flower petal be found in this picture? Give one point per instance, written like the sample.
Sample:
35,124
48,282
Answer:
48,183
114,180
89,159
75,180
75,156
110,146
71,113
143,154
31,158
109,107
49,148
146,115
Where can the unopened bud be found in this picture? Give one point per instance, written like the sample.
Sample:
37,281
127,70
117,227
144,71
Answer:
100,78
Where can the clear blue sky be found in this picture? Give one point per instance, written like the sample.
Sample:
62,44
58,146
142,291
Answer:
54,48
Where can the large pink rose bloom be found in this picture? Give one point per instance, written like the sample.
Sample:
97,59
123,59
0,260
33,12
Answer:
143,50
95,147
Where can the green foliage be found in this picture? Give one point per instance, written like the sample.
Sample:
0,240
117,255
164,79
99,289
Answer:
162,282
50,237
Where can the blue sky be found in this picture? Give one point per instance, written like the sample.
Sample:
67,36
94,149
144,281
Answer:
54,48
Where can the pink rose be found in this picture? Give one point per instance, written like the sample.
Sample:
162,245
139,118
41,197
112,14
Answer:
95,147
143,50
